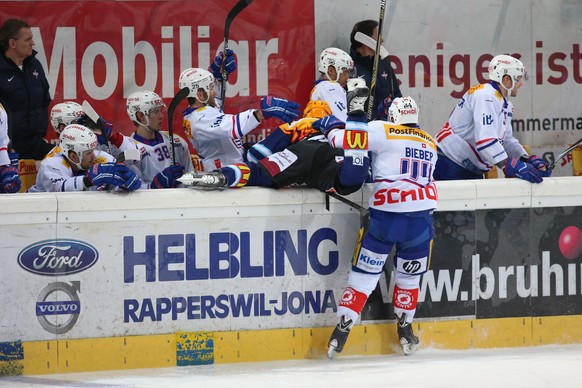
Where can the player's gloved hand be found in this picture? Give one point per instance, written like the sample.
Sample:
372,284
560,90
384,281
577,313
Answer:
167,178
216,66
103,129
280,108
132,181
516,168
383,107
114,174
327,123
9,179
540,164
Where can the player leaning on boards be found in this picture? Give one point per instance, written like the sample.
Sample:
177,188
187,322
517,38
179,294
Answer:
401,206
77,165
217,135
479,136
156,169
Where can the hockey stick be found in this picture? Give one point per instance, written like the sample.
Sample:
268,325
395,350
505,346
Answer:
182,94
376,61
371,43
364,217
564,153
127,155
238,7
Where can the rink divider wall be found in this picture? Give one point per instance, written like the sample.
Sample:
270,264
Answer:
100,281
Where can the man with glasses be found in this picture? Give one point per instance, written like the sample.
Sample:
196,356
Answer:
479,136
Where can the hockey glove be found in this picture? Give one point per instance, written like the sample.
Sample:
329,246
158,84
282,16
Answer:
539,163
167,178
327,123
383,107
132,181
357,96
103,129
280,108
516,168
216,66
9,179
113,174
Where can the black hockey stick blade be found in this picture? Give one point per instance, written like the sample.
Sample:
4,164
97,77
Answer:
182,94
364,219
235,10
564,153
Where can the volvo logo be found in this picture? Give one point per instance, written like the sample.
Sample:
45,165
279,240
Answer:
58,306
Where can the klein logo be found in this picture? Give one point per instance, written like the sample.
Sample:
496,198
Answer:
57,257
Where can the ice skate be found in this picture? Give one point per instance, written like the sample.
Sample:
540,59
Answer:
205,180
339,336
356,97
408,340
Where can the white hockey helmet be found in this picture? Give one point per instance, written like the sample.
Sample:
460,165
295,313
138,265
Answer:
337,58
65,113
77,138
194,79
501,65
142,101
403,110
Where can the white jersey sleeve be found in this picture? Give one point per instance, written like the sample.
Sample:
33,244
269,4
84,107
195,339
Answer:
334,95
4,139
217,136
55,173
403,160
477,128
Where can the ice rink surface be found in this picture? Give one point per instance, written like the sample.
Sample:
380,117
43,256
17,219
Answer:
533,367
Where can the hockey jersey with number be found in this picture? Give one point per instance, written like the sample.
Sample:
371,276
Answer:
55,173
217,136
155,155
403,160
478,134
335,96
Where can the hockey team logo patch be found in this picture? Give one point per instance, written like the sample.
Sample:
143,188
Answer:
58,257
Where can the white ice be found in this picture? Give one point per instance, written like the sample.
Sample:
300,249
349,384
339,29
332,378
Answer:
532,367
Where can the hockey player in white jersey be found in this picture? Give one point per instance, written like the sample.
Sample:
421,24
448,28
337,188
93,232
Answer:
217,135
147,111
65,113
335,67
401,206
9,177
77,165
479,136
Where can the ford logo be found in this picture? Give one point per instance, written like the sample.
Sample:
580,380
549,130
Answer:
57,257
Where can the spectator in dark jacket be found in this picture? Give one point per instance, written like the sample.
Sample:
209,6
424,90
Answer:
387,87
24,90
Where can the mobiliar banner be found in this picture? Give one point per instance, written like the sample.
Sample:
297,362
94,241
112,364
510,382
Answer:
102,51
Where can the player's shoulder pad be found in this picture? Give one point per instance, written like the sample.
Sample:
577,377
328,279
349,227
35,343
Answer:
475,88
